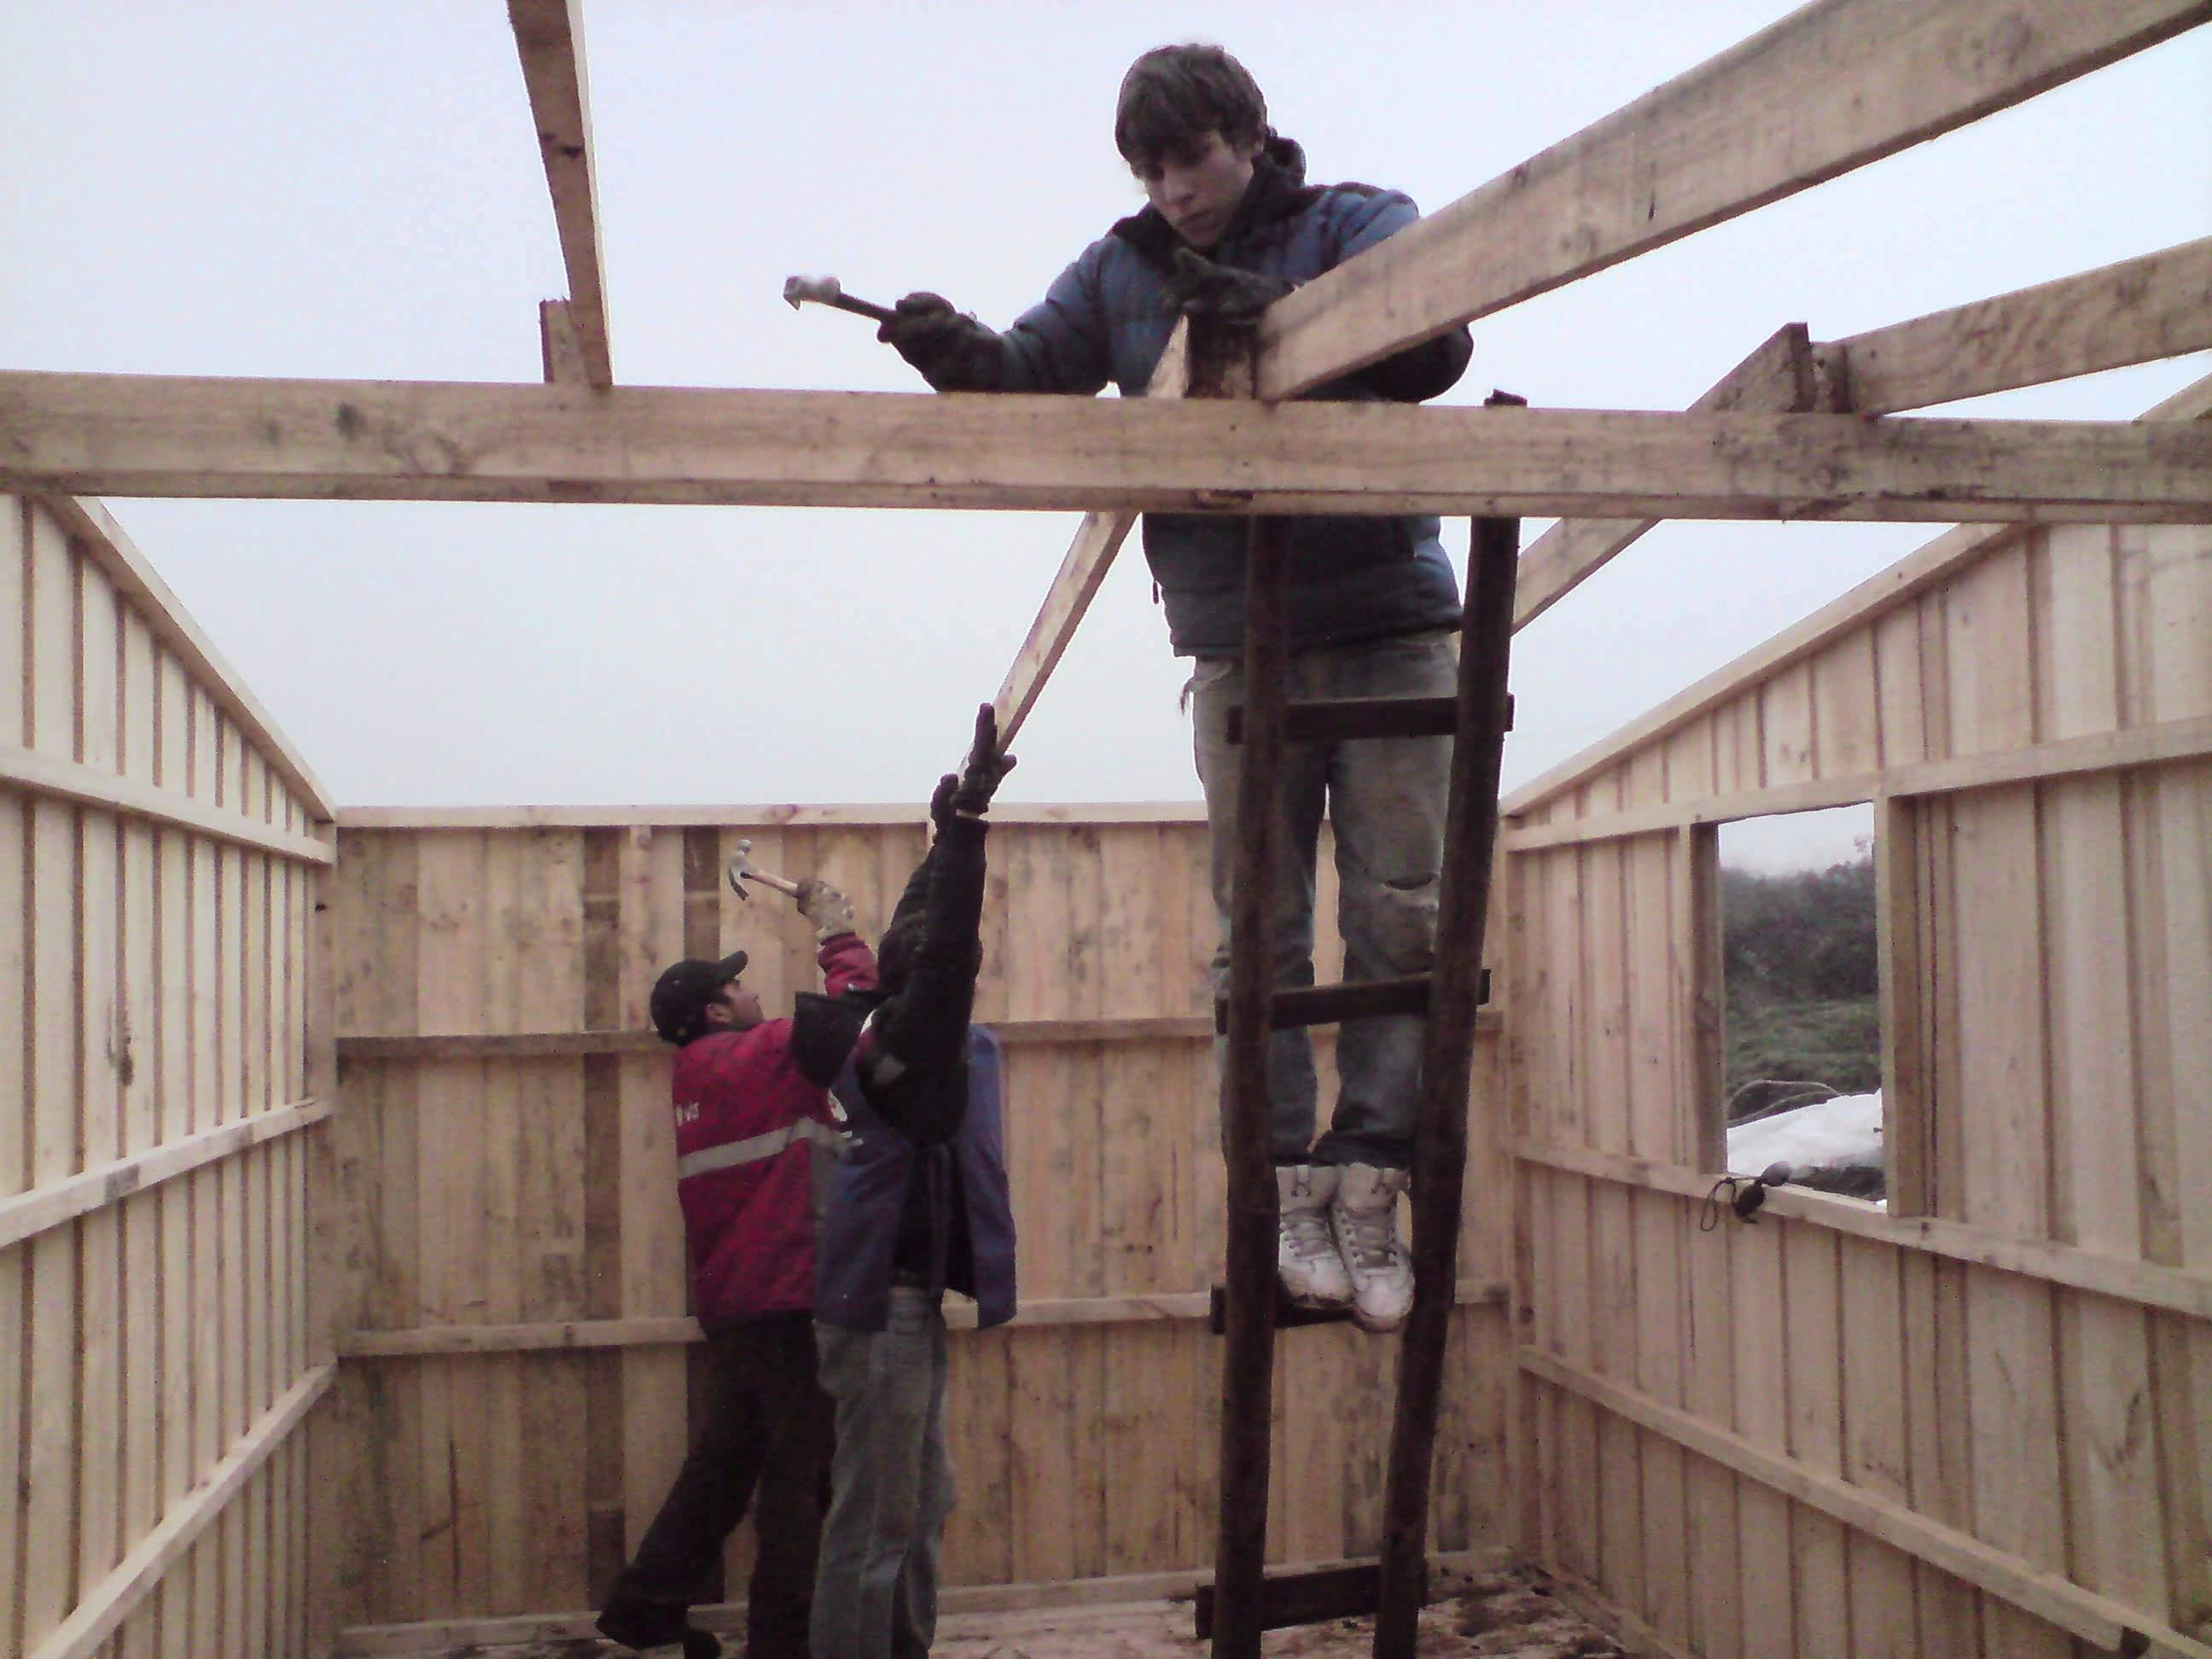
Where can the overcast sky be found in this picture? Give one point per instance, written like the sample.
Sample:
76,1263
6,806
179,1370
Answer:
355,191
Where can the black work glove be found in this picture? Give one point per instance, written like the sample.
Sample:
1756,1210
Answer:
954,352
1201,288
984,770
940,802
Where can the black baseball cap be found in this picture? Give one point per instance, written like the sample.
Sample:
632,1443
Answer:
681,994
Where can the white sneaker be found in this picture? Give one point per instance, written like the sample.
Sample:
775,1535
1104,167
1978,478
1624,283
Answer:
1365,1220
1306,1256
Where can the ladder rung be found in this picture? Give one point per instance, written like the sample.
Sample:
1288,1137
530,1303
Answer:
1339,718
1288,1314
1332,1005
1359,717
1306,1598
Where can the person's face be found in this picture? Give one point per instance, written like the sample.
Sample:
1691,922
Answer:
1197,188
735,1009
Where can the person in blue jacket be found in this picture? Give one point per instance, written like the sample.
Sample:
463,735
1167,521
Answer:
919,1205
1232,225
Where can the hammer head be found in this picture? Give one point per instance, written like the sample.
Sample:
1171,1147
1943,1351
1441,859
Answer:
823,290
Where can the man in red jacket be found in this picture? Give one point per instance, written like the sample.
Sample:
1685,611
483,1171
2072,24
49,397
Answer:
754,1134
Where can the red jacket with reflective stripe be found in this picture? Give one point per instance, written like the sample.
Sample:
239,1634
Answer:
746,1122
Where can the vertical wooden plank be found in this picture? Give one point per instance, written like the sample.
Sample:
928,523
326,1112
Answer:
1874,1451
49,1475
1716,1611
653,1276
1847,707
1812,1341
1785,708
1661,1295
1901,713
1763,1417
2001,1112
51,668
1622,1535
17,1046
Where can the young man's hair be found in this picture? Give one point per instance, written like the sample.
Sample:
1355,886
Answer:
1174,96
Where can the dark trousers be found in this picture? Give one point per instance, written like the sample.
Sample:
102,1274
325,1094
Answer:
768,1425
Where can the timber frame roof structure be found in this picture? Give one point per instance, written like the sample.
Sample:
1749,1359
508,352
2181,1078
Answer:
1833,87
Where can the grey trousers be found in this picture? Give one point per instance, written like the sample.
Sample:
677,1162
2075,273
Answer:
891,1485
1385,796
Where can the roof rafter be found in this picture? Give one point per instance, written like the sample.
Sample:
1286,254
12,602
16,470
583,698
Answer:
549,35
1830,88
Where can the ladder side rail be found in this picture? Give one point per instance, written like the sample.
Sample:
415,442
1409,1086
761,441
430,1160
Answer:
1447,1064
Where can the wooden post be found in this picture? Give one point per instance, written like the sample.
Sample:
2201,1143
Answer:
1248,1365
1447,1060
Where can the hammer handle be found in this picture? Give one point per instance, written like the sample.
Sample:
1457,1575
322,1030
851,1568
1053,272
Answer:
766,880
862,308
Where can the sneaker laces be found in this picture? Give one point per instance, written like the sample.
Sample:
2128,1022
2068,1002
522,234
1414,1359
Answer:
1370,1239
1306,1232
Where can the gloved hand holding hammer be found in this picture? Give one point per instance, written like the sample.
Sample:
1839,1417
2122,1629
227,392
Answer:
954,352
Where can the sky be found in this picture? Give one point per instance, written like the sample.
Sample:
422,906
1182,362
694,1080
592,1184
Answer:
355,191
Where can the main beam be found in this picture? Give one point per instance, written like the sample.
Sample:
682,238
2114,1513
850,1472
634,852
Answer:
550,36
145,435
1830,88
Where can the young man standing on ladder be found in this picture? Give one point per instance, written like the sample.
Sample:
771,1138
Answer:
1373,609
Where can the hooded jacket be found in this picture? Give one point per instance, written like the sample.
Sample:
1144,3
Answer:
1351,579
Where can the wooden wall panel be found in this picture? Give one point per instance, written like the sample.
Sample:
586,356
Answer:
150,1281
2050,928
487,1189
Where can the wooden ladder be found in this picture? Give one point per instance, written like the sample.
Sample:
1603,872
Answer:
1477,718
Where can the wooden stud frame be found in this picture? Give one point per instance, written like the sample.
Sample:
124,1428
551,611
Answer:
155,1213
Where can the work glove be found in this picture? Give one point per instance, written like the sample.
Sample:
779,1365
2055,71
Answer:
830,910
940,802
1199,288
984,770
954,352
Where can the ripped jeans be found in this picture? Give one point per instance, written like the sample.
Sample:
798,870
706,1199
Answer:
1385,796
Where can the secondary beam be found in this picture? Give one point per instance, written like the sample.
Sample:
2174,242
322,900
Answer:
2135,312
1831,86
550,36
151,435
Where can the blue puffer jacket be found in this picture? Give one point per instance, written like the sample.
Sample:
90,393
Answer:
1351,579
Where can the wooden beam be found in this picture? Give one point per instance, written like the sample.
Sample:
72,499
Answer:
2103,1623
154,435
1918,573
24,1214
550,36
1779,375
1090,557
1831,86
106,1604
2097,751
743,817
2149,1283
2136,312
1186,1306
553,1045
1062,1601
39,774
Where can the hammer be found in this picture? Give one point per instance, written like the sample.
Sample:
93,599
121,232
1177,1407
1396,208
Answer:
827,291
742,870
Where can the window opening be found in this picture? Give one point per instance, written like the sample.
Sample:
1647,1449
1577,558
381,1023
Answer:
1802,1021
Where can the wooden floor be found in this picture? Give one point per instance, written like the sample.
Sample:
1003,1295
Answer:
1507,1614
